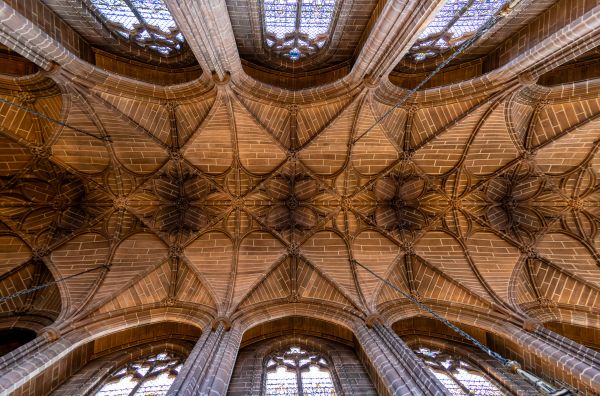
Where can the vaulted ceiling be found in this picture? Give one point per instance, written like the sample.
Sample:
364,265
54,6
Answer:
225,197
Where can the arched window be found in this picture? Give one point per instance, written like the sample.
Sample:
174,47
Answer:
147,23
151,375
297,29
455,23
458,376
297,372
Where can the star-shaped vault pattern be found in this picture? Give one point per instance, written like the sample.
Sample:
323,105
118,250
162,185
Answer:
222,204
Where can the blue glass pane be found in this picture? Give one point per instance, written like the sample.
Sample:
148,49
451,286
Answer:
280,17
147,22
295,29
456,21
117,11
316,16
155,13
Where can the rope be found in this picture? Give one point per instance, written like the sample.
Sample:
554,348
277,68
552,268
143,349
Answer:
495,355
43,286
484,28
48,118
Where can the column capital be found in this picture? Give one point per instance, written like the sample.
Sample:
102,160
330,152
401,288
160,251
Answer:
221,320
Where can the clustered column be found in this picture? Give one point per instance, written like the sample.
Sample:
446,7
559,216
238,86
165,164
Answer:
394,366
208,369
571,362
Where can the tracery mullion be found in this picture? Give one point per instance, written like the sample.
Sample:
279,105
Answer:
454,19
143,379
298,377
298,21
456,380
141,18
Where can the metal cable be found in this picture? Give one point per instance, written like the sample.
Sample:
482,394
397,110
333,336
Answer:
48,118
484,28
445,321
43,286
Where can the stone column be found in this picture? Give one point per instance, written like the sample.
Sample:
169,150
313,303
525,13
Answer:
395,369
563,358
208,369
19,368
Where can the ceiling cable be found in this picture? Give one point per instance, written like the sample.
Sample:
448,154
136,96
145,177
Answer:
45,285
48,118
482,29
513,366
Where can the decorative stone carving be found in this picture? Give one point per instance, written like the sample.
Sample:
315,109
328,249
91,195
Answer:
25,98
293,249
175,155
294,298
41,152
175,251
39,253
407,155
169,302
120,202
530,252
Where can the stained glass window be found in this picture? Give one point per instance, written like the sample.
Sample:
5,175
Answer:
296,372
456,22
149,376
458,376
145,22
297,29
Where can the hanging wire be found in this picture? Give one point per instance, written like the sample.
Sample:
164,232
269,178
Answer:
513,366
491,21
48,118
45,285
440,318
482,29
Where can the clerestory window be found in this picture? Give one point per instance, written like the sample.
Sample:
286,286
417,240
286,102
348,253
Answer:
458,376
151,375
296,372
456,22
296,29
147,23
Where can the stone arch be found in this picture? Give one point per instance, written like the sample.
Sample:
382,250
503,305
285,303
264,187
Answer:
331,314
32,310
489,367
333,341
99,357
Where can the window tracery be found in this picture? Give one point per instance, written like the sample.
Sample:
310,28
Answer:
296,372
150,375
296,29
147,23
456,22
457,375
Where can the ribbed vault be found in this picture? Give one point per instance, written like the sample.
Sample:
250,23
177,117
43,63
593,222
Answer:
227,203
222,186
